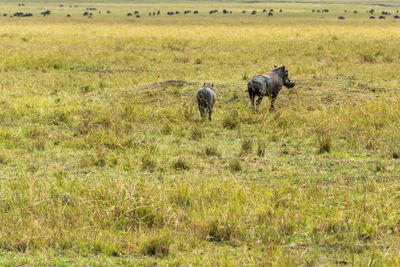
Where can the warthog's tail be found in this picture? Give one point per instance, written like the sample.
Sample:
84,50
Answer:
252,92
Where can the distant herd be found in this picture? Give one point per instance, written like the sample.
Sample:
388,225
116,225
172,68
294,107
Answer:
91,11
371,11
268,84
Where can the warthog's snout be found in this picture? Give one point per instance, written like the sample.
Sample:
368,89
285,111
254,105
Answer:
289,84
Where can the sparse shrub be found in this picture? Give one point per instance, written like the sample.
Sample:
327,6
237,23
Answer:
380,167
324,142
166,129
181,164
220,230
59,118
247,146
86,89
156,246
368,58
148,162
235,166
198,132
235,96
211,151
261,148
230,121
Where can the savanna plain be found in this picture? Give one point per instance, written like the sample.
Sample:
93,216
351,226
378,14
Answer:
105,161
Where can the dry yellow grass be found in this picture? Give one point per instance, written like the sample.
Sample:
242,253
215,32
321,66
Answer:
104,159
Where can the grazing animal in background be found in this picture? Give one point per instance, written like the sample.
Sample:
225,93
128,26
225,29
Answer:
371,17
206,99
341,17
269,84
396,17
382,17
254,12
270,14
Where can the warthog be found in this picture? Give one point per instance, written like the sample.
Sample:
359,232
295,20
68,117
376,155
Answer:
206,99
269,84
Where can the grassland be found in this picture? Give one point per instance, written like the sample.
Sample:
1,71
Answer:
104,159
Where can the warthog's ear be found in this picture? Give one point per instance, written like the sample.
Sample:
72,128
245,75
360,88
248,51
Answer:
283,67
204,84
212,85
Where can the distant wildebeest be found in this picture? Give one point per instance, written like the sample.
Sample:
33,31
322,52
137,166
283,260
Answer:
270,14
149,13
85,13
136,12
169,13
129,14
68,15
61,5
254,12
45,13
382,17
371,17
244,11
264,11
158,12
280,10
371,11
154,13
341,17
325,10
318,11
196,12
5,15
187,12
108,11
396,17
224,11
271,10
177,12
269,84
206,98
313,11
137,16
355,11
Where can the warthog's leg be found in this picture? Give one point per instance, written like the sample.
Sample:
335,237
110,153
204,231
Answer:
258,102
273,98
209,113
202,111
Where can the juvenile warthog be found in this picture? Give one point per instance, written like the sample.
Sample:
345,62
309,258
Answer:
206,99
269,84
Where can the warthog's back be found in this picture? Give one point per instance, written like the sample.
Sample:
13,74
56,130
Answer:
266,83
206,96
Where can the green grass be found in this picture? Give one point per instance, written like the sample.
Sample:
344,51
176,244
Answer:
105,160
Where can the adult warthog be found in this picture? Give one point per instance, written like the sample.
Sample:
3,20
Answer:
269,84
206,99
